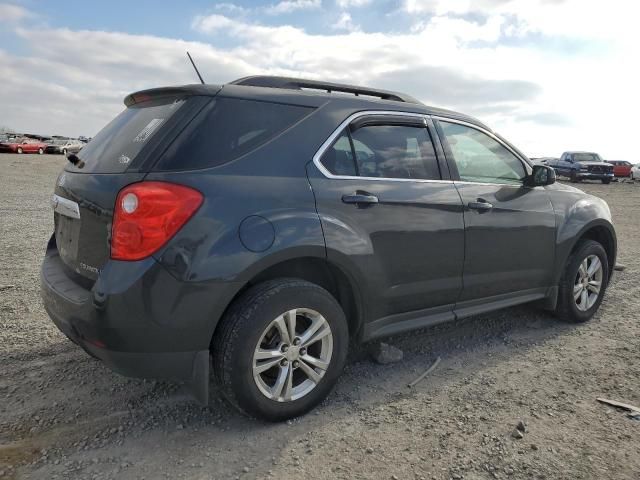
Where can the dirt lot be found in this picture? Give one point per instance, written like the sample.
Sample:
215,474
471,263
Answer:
64,415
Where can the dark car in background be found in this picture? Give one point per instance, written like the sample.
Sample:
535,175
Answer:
269,223
579,166
621,168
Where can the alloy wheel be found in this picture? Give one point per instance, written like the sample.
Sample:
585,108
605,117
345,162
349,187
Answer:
588,283
292,355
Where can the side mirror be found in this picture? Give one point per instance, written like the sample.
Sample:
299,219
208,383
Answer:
542,175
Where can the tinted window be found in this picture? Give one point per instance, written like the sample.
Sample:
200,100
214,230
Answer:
227,129
480,158
395,151
114,148
338,158
585,157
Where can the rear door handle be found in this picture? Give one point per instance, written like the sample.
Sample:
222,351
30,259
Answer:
481,205
360,198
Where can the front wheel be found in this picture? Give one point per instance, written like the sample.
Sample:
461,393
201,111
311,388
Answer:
574,177
583,282
19,149
606,181
280,349
64,152
40,151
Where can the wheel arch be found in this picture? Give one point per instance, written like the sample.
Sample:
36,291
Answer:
318,270
600,231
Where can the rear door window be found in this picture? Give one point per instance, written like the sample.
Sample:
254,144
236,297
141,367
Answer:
395,151
227,129
117,145
338,158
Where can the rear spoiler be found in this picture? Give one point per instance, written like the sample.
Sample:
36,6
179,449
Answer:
163,92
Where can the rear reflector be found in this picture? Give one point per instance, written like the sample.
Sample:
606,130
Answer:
147,215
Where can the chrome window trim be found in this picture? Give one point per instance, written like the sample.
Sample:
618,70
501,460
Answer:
329,141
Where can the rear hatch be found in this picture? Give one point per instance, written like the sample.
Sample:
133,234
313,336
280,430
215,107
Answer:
121,154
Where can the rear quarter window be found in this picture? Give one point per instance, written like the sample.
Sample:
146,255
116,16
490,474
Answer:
227,129
117,145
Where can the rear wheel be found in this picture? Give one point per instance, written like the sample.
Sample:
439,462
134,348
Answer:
40,151
606,181
64,152
583,282
280,349
19,150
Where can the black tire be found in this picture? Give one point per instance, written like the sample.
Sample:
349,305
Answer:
40,151
64,152
19,150
606,181
243,326
566,308
574,177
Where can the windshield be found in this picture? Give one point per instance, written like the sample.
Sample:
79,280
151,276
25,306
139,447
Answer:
586,157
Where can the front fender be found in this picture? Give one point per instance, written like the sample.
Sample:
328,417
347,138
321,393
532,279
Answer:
576,214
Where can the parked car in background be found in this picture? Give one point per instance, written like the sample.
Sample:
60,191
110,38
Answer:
582,166
380,215
64,146
635,172
621,168
75,148
25,145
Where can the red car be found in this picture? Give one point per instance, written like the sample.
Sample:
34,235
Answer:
23,146
621,168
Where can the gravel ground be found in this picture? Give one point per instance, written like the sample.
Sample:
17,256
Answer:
64,415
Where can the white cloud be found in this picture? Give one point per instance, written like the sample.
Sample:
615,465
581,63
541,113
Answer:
211,23
345,22
541,97
288,6
13,13
345,4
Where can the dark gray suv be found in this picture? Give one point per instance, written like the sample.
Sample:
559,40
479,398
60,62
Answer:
256,229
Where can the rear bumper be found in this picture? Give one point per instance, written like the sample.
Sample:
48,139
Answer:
138,319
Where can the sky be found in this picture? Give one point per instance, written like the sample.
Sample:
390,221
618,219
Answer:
549,75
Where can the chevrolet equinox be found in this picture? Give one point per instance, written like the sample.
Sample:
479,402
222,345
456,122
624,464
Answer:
252,231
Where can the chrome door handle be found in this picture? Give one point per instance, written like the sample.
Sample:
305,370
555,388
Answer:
481,205
360,198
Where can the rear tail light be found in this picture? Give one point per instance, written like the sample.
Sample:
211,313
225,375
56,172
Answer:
147,215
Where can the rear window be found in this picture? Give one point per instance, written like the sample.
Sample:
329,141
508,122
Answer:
227,129
116,146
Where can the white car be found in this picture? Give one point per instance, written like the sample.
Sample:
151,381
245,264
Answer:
635,172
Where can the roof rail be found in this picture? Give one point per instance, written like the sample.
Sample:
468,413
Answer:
301,83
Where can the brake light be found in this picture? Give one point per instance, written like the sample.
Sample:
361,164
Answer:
147,215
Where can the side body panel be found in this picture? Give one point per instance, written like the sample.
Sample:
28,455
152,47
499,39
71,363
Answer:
511,247
406,250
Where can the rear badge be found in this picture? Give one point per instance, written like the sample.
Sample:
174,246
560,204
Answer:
89,268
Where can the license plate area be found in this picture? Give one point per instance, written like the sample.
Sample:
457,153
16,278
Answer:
67,236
